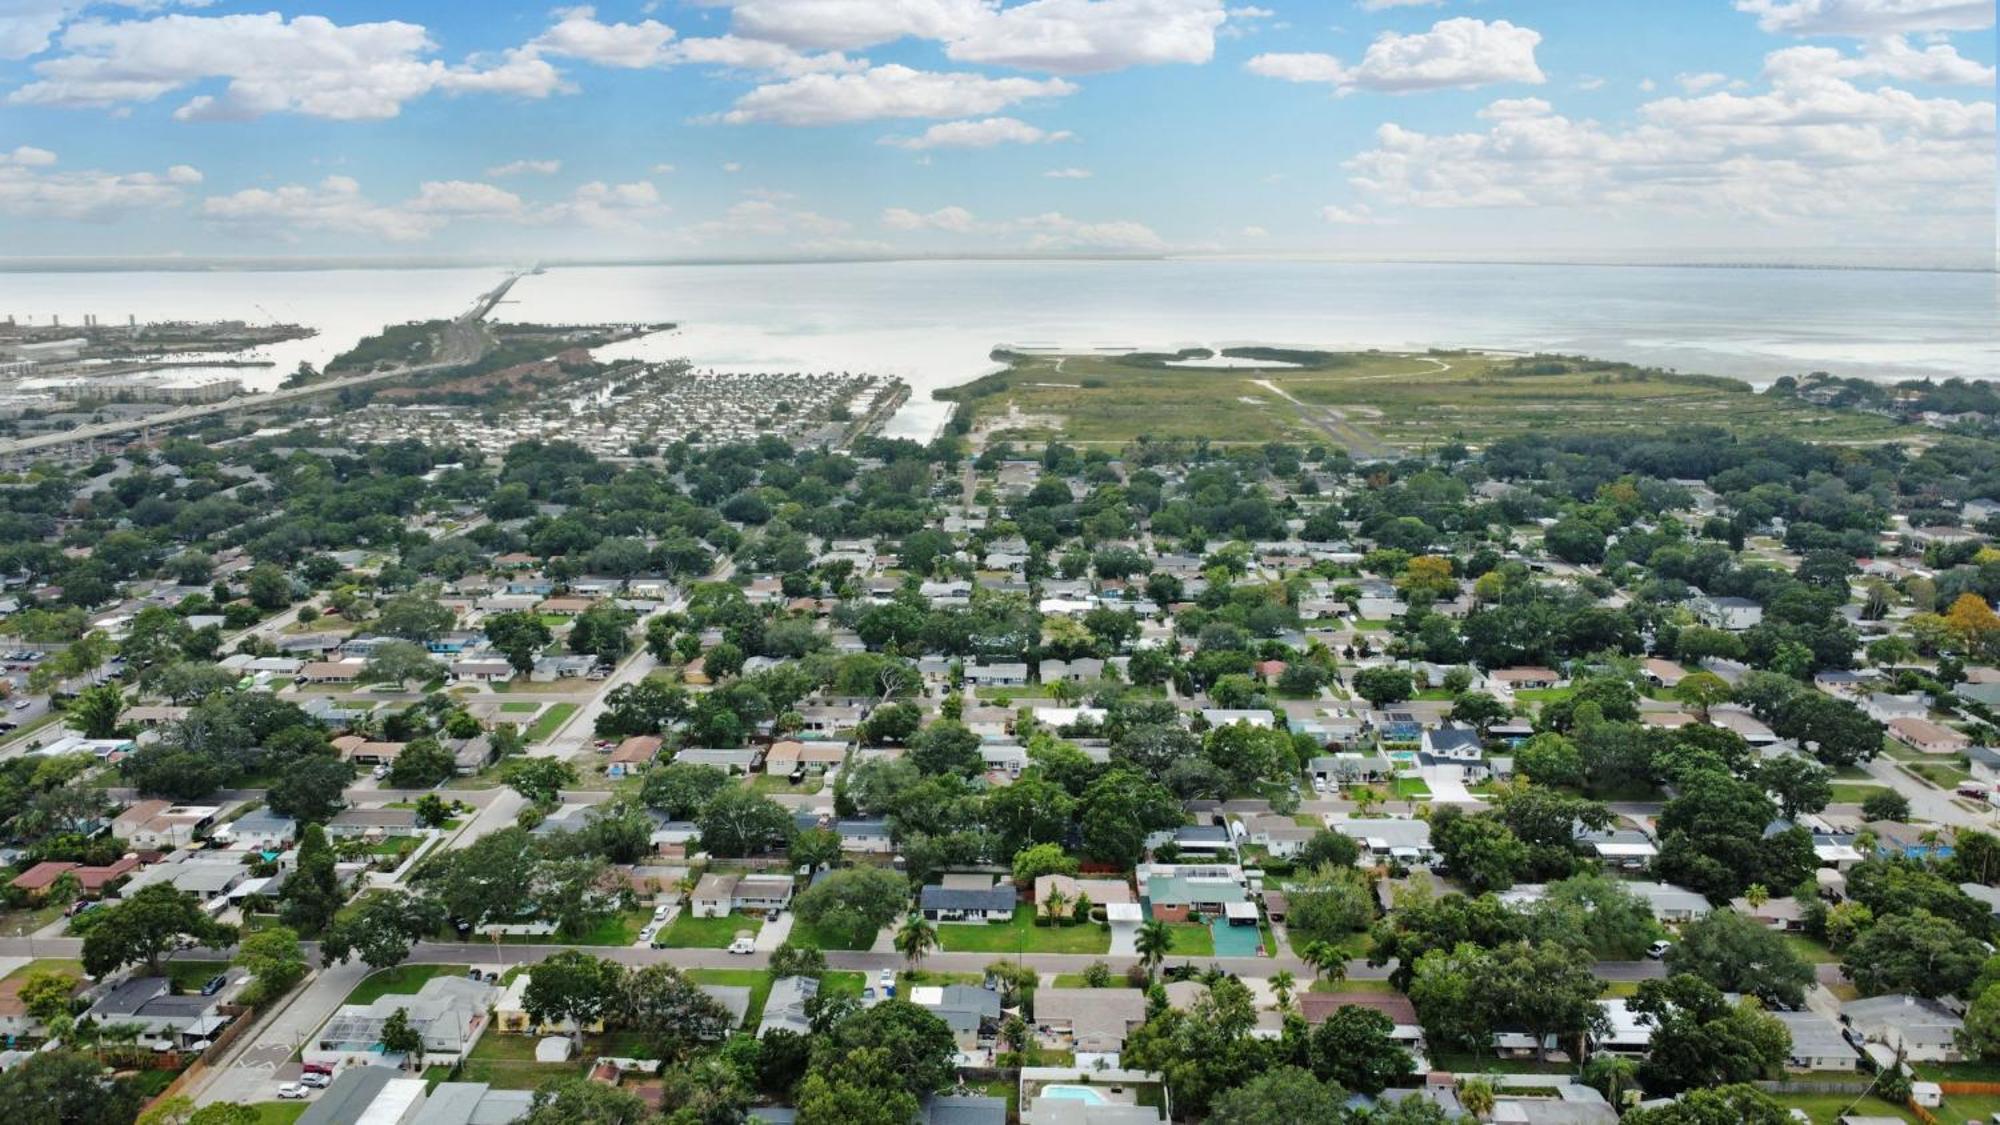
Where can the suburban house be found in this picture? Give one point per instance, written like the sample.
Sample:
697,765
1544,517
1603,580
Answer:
969,1011
163,825
790,756
1182,898
1670,903
1620,847
1816,1043
785,1008
1926,737
730,761
1088,1020
259,830
373,822
510,1014
447,1011
1003,674
1733,614
1342,769
1281,836
1923,1030
1529,678
1625,1031
1884,707
1388,839
174,1020
961,900
717,896
1100,892
1317,1006
634,755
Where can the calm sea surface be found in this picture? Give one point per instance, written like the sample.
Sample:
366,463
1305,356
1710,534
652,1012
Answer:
934,323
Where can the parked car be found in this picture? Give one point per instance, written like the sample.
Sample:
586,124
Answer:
292,1091
319,1068
743,944
315,1081
647,933
215,984
1658,949
381,772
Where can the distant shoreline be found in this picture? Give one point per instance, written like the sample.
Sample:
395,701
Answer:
253,264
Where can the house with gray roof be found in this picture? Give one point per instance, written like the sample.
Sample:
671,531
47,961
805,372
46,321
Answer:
941,903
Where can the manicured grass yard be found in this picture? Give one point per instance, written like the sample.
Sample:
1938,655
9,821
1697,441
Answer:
1075,980
1810,950
1192,940
1408,787
1825,1109
1024,935
690,932
614,929
1944,775
756,980
47,965
828,938
21,923
278,1113
399,979
519,707
1853,793
546,723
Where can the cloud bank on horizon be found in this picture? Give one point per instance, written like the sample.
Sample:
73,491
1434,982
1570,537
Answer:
831,127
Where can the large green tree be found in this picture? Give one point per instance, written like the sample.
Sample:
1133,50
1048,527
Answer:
146,926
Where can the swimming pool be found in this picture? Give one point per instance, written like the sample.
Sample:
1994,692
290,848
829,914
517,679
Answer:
1073,1093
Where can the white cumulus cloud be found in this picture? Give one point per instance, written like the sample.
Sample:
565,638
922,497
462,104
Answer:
957,220
525,167
1092,36
1890,57
1459,53
981,133
31,188
1868,18
1067,174
883,92
308,65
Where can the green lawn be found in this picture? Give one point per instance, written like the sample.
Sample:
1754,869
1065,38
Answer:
690,932
546,723
1192,940
21,923
519,707
1022,934
399,979
756,980
1826,1109
278,1113
613,929
1360,984
1075,980
1810,950
1409,787
1853,793
191,975
828,938
1944,775
50,965
843,984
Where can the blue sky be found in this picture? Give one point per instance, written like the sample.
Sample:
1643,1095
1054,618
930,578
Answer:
725,128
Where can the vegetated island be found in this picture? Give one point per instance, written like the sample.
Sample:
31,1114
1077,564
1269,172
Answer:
1375,404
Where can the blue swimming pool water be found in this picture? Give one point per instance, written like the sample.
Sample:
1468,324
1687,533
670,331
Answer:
1073,1093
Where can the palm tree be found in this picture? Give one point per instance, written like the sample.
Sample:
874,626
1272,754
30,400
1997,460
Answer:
1327,960
1613,1075
1282,983
1053,903
1153,942
915,938
1756,894
1364,798
1476,1095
